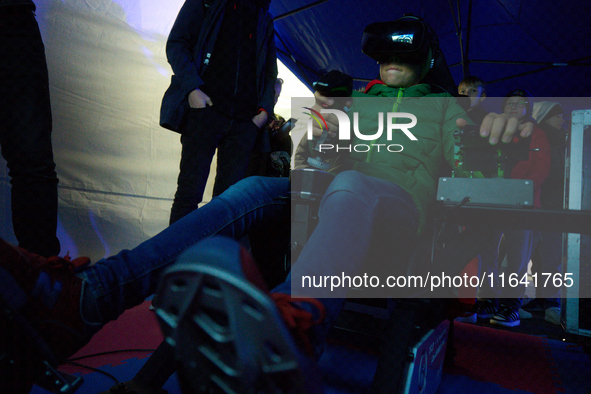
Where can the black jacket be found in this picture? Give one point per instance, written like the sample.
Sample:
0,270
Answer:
192,37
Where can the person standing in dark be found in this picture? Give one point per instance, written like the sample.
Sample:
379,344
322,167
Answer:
518,105
275,162
547,256
222,94
25,128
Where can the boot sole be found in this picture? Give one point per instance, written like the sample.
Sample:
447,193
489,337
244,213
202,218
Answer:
226,332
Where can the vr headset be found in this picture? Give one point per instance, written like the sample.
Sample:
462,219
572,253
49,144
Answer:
408,38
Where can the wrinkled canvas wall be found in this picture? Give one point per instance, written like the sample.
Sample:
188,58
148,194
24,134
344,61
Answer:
117,167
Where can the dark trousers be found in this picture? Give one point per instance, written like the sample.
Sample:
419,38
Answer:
518,247
25,131
204,130
547,259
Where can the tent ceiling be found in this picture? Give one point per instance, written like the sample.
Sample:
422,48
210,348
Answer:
502,35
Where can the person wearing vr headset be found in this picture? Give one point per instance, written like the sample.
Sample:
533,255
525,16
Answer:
62,303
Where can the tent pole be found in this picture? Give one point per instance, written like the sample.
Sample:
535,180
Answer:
466,61
298,65
308,82
552,64
299,10
520,75
458,27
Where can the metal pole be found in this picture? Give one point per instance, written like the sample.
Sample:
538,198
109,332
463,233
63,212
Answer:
466,63
298,65
298,10
457,25
549,64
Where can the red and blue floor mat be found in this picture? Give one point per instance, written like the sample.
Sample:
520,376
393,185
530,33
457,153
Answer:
488,361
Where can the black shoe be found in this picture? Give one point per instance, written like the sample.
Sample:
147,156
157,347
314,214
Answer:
228,333
486,308
506,317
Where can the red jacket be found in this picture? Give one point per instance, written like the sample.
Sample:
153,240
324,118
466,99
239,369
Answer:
537,167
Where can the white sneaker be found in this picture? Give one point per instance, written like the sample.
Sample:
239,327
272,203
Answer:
552,315
523,314
466,317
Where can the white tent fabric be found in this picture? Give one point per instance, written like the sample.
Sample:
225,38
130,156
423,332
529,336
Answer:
116,166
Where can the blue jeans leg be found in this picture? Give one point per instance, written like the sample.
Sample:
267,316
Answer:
122,281
519,248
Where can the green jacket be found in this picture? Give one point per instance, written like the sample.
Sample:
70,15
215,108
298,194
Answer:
419,164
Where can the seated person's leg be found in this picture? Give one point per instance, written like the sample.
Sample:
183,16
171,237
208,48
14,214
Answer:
519,247
354,208
44,291
126,279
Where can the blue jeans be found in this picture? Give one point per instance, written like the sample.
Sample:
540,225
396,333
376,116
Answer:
355,204
125,280
547,259
518,246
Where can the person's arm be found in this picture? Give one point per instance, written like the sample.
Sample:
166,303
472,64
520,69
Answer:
180,48
454,115
500,128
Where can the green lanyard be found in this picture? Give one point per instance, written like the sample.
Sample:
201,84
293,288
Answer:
394,109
